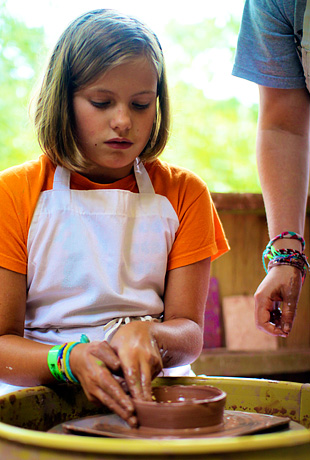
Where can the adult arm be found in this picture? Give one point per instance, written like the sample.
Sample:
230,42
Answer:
283,166
144,347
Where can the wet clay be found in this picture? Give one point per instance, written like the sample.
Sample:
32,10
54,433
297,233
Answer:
182,407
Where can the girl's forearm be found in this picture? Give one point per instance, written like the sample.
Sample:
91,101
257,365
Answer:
179,340
24,362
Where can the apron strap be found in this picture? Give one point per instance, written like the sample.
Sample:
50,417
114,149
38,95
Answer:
61,179
143,180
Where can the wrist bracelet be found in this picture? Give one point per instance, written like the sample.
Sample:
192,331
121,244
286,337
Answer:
290,257
52,361
288,254
66,363
289,235
58,360
297,264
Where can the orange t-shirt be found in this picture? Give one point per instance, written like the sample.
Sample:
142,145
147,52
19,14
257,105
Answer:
200,234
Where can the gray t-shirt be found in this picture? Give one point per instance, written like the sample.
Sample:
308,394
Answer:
269,44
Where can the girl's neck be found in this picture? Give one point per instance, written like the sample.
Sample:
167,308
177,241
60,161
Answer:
107,177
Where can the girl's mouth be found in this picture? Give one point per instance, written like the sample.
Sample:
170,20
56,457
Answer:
119,143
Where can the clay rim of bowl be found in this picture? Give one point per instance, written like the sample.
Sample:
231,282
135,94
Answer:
187,402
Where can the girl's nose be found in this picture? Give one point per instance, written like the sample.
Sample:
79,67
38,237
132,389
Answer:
121,119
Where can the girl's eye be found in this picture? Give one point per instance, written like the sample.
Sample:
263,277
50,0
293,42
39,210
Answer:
140,106
100,105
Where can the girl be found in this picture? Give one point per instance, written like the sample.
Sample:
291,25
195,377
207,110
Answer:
105,250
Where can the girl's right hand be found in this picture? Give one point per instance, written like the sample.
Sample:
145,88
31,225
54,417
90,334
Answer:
94,365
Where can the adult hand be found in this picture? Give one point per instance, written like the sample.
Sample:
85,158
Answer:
281,284
96,366
139,355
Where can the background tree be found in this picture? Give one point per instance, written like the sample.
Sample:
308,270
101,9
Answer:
21,53
215,138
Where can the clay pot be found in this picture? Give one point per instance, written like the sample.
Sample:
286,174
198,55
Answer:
182,407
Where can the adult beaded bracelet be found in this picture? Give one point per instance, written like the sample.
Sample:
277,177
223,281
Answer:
288,235
286,256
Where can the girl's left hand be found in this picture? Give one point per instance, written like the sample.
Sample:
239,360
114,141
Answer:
139,355
97,368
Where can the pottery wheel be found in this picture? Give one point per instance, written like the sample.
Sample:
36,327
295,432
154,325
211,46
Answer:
235,424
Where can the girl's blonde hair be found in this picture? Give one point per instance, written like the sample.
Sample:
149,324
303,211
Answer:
94,43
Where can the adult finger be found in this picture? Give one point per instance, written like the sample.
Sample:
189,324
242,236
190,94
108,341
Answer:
290,300
288,315
264,308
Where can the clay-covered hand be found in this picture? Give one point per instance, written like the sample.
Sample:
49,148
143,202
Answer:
281,285
140,358
97,367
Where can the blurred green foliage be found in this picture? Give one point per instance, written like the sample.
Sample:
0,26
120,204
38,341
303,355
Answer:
216,139
21,51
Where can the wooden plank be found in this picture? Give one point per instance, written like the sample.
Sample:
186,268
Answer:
222,362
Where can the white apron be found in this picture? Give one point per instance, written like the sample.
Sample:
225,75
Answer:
96,259
305,45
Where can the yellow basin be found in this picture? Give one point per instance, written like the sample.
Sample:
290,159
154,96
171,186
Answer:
26,415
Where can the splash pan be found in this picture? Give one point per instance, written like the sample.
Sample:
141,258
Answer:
26,417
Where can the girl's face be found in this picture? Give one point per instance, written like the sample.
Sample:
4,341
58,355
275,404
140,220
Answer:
114,117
